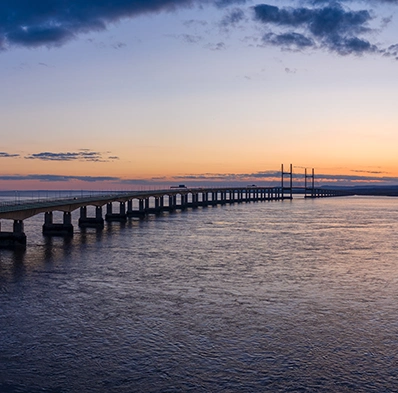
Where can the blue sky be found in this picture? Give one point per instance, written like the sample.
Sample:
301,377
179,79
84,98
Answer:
102,95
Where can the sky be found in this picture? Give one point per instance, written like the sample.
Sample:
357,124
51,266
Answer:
135,94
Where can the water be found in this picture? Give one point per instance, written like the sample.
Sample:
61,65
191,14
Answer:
286,296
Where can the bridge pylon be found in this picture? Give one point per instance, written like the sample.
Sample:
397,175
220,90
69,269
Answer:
309,191
290,188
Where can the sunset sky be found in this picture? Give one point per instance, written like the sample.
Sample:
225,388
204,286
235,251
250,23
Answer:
145,93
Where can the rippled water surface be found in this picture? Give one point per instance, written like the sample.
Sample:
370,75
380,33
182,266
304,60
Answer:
297,296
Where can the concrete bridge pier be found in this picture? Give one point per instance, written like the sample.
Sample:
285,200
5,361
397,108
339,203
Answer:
57,229
153,210
140,213
121,216
146,205
91,222
195,200
205,199
184,201
239,196
214,198
170,204
14,239
158,202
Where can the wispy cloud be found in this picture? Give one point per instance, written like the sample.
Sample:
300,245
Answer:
82,155
3,154
233,17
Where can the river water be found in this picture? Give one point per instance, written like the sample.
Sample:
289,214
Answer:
292,296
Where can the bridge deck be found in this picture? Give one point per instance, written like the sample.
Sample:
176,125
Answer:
24,209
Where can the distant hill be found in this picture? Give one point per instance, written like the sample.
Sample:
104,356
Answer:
367,190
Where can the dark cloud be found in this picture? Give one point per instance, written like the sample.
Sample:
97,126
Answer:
226,3
332,27
7,155
288,40
53,22
82,155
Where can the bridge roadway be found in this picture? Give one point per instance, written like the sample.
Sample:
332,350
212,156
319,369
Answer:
149,202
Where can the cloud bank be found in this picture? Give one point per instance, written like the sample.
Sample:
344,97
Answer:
262,178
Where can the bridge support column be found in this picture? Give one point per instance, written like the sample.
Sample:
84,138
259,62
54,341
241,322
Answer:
58,229
121,216
170,207
152,210
140,213
195,200
15,239
183,204
223,196
214,197
205,198
91,222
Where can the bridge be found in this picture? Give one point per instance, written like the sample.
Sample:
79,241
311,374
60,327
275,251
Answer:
141,203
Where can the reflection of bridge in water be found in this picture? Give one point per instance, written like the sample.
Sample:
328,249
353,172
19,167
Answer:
121,206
